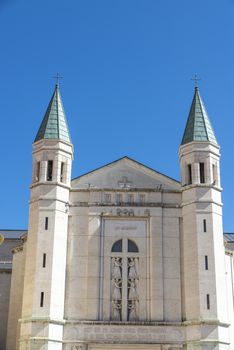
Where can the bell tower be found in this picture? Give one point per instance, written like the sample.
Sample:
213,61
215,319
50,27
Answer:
203,255
44,282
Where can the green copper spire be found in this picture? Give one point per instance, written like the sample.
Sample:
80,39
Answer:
198,127
54,123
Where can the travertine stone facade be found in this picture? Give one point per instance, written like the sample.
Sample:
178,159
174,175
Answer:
16,295
5,283
11,240
123,257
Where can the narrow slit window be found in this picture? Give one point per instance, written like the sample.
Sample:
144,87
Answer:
38,170
49,170
42,299
189,174
214,174
204,225
206,262
46,222
44,260
62,171
202,172
208,301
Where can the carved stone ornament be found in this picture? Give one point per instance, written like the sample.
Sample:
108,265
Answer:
132,290
124,182
116,278
125,212
79,347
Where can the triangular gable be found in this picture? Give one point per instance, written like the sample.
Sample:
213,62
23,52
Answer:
125,173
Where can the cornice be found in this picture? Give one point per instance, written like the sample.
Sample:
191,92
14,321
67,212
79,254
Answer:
184,204
125,205
49,183
192,186
124,190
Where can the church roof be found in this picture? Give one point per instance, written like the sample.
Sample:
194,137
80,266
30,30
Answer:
198,127
12,234
54,124
229,237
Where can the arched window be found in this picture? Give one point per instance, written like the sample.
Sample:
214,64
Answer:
132,247
124,280
117,246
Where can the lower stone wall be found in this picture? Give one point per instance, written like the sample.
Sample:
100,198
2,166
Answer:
124,333
15,305
123,347
5,284
47,334
205,335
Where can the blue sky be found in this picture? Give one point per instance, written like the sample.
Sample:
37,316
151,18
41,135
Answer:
126,89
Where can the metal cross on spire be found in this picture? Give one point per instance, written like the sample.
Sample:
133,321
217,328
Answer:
196,80
57,77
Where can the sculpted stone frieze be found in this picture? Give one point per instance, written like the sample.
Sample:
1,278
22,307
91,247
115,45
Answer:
79,347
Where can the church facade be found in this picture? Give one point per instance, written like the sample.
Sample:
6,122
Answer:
123,257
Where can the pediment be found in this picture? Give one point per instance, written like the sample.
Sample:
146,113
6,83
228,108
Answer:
125,173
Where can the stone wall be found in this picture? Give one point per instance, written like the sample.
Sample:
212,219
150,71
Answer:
16,295
5,284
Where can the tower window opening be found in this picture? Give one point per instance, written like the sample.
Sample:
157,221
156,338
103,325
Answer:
38,170
44,260
204,225
62,172
46,222
42,299
208,301
189,174
206,262
202,172
49,170
214,174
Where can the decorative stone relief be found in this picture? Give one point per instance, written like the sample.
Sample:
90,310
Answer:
132,268
116,279
124,183
133,297
125,212
124,280
79,347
